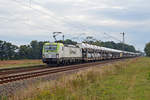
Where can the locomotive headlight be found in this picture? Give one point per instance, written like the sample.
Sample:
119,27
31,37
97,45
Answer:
57,55
43,56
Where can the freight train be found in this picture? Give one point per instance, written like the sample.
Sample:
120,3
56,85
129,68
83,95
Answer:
59,53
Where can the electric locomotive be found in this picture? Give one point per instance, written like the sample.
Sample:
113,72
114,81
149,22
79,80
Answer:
58,53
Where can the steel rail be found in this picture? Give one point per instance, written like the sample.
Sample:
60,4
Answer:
8,71
22,69
22,76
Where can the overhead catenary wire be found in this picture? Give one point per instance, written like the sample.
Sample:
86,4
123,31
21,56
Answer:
54,19
64,18
81,27
36,10
112,37
51,16
22,22
26,23
75,26
78,37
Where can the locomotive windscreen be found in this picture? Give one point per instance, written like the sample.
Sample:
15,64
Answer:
50,47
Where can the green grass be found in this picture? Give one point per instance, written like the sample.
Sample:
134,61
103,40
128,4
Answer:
128,80
3,98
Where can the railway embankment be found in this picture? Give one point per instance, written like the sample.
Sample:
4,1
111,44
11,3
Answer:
14,79
119,81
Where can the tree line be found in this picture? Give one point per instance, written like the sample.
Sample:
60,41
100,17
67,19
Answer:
147,49
10,51
33,50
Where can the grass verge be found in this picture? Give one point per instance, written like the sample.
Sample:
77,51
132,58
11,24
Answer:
19,63
128,80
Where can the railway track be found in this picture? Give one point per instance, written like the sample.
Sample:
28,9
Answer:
8,71
30,73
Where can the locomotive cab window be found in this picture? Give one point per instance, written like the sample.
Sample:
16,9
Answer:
51,47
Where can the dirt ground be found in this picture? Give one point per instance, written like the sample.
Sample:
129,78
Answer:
9,63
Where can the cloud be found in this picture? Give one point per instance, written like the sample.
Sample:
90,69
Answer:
23,21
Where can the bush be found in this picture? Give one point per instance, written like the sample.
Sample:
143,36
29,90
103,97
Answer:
148,76
147,49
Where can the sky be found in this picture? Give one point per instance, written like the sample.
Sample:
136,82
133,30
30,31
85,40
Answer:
22,21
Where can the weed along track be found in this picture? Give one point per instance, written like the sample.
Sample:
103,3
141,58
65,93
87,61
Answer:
35,72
